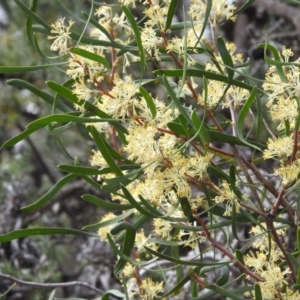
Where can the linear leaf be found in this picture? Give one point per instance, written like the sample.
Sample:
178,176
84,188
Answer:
135,204
242,116
178,128
102,146
226,58
243,7
276,62
207,75
43,95
179,261
216,136
139,223
114,184
116,155
20,233
224,277
128,243
112,221
79,170
96,42
91,56
125,257
257,290
109,206
149,101
20,69
113,292
99,26
66,93
201,131
29,22
179,285
137,34
176,101
16,139
171,12
32,15
178,267
50,194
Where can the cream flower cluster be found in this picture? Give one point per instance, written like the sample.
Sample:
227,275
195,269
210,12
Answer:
171,165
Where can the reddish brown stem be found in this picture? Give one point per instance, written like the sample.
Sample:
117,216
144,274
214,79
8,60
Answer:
216,245
270,224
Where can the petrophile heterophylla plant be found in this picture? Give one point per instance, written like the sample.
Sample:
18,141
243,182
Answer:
176,122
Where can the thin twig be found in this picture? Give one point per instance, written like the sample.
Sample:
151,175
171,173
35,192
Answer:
51,285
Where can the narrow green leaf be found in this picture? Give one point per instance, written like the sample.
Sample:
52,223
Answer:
186,207
135,204
166,243
201,129
150,208
178,267
210,295
257,291
176,101
204,25
171,12
29,23
4,294
225,292
234,222
178,128
294,261
137,34
21,69
96,42
199,228
42,122
115,293
21,233
66,93
125,257
112,221
226,58
128,244
243,7
242,116
275,62
149,101
224,277
111,150
208,75
107,205
178,286
104,150
138,224
21,136
79,170
216,136
52,295
91,56
239,256
32,15
43,95
179,261
50,194
99,26
114,184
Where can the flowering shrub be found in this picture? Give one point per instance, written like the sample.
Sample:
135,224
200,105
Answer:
173,147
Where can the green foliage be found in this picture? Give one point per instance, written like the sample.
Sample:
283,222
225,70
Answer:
181,170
